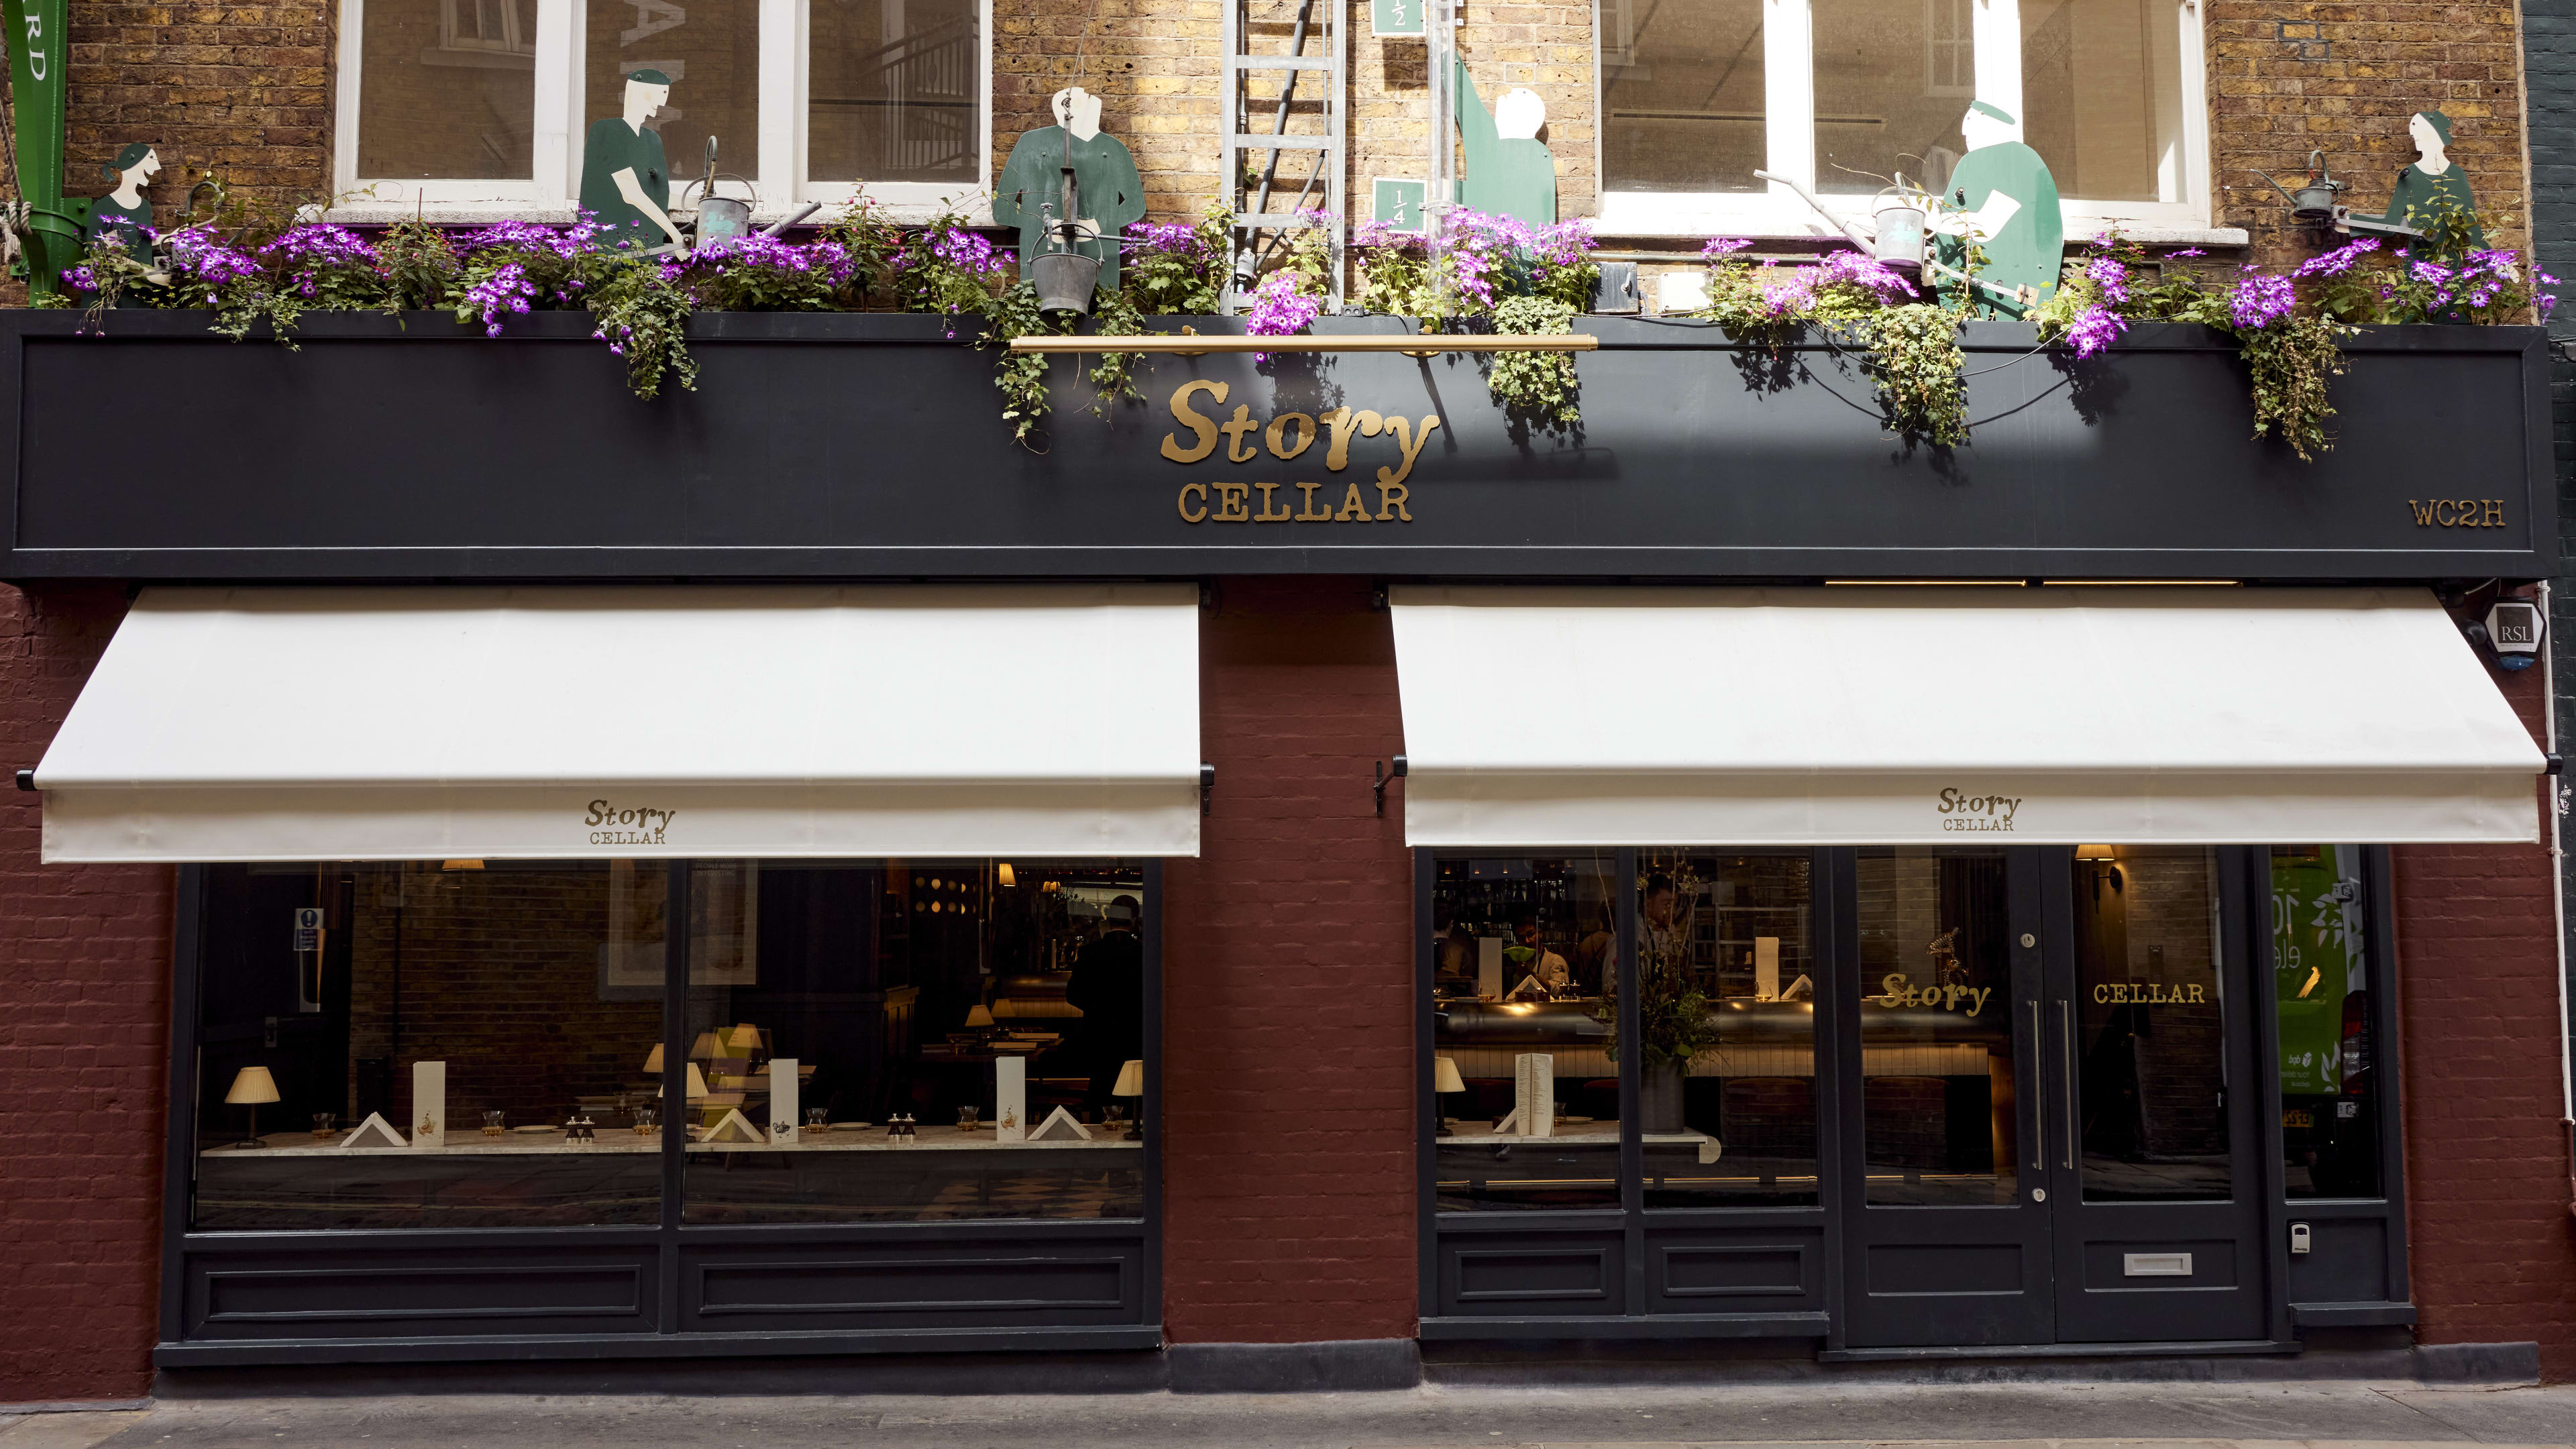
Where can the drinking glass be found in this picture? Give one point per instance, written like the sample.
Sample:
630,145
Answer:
643,1121
817,1118
966,1118
325,1123
492,1124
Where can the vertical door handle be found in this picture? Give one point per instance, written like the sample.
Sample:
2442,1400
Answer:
2039,1097
2066,1028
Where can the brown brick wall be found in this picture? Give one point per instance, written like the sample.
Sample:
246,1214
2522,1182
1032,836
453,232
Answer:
2493,1247
242,90
2288,78
84,966
1288,1068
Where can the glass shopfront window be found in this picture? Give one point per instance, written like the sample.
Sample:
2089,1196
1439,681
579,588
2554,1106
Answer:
1524,961
2151,1024
1727,983
402,1045
1937,1067
916,1041
482,1044
2322,992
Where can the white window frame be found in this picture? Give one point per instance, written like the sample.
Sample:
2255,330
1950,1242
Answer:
555,158
1788,50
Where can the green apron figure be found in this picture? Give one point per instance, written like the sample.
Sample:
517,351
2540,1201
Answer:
1509,170
2430,187
625,182
127,213
2010,201
1107,195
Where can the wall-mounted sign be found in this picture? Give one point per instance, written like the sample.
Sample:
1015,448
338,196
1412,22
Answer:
308,927
1396,202
1895,990
1393,19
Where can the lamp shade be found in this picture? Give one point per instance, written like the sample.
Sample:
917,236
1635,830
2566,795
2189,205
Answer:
1131,1080
251,1086
697,1083
705,1046
1005,876
978,1016
744,1040
2096,852
653,1063
1444,1076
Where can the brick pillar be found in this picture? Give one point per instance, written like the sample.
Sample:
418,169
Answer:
2492,1246
84,972
1288,1066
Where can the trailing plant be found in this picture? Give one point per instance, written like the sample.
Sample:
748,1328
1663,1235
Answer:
1535,388
419,266
1909,347
868,243
764,274
1176,268
1912,352
1113,377
1021,376
642,308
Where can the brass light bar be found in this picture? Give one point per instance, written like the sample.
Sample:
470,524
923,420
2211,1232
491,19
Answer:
1190,344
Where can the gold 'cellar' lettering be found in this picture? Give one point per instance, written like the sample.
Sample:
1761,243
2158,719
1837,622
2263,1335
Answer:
1287,437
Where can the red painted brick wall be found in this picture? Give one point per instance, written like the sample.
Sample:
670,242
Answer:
84,970
2493,1247
1288,987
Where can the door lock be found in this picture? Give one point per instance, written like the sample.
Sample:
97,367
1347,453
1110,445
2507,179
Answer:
2028,940
2299,1240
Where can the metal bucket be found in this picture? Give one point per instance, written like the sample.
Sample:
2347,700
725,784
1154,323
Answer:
722,219
2313,202
1064,281
1899,239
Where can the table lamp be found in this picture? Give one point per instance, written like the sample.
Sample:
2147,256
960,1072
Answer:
653,1063
1444,1080
1131,1083
252,1086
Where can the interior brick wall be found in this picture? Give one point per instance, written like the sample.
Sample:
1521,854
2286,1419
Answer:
84,968
2492,1245
1288,1063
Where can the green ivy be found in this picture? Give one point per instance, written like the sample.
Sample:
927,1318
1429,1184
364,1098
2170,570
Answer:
1913,354
1535,388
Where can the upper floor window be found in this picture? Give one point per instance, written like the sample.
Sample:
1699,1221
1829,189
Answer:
464,101
1845,95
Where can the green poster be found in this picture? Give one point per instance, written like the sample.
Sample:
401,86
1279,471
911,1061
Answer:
38,66
2316,960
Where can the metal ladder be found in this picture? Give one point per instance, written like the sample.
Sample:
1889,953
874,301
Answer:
1260,106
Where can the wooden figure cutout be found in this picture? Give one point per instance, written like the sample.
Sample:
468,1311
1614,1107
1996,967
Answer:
625,179
2009,200
2431,186
1071,169
1509,171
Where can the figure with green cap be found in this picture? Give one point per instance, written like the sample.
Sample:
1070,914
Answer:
126,213
2003,195
1070,171
2430,187
625,182
1509,171
125,210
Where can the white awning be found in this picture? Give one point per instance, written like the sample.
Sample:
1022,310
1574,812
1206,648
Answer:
525,723
1946,715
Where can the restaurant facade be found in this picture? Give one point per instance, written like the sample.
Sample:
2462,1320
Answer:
1307,881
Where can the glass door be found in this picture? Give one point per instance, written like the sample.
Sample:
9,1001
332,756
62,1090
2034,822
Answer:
2158,1216
1946,1228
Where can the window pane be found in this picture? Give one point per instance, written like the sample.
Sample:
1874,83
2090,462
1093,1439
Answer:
2150,1025
711,51
1684,96
893,94
2101,95
1727,984
890,1000
1937,1073
1521,949
535,989
448,89
1893,78
2321,986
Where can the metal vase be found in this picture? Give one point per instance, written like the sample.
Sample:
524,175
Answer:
1659,1098
1064,281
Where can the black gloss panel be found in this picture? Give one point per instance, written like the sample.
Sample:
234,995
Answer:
1773,1267
850,1287
2346,1261
1945,1268
445,1292
1511,1276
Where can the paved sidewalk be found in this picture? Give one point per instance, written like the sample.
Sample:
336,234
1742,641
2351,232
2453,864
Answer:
2013,1416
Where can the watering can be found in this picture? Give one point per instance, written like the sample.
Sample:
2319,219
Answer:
1898,240
720,218
2315,204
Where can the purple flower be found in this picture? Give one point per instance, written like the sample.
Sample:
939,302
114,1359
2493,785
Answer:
195,250
2112,277
1172,238
1720,248
1279,309
79,279
1867,273
2094,329
2189,252
1383,234
2257,300
506,290
2339,261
